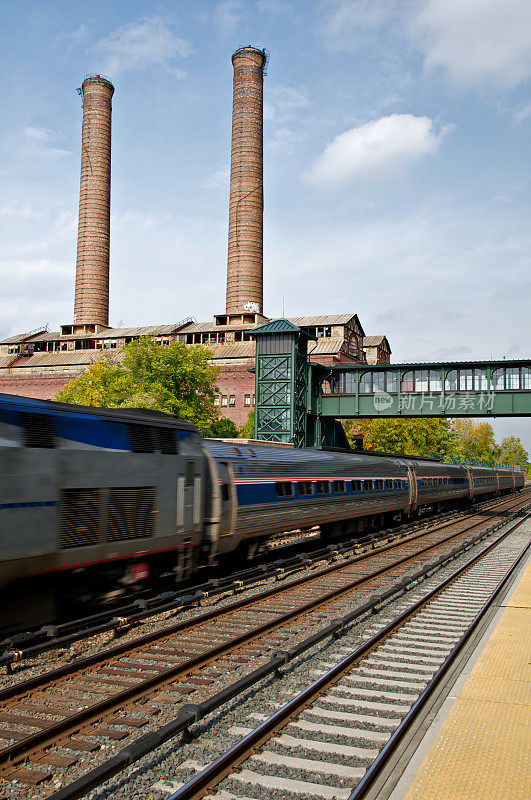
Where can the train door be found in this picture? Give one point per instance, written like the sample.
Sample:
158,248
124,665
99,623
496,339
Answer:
229,502
189,498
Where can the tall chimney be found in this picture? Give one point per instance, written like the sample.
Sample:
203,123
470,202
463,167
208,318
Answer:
245,256
93,239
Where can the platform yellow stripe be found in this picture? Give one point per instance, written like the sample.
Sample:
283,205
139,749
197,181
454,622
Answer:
482,751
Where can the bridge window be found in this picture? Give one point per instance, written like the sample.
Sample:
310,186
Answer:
526,378
498,382
408,382
421,380
480,381
435,381
450,384
366,383
378,382
512,378
465,380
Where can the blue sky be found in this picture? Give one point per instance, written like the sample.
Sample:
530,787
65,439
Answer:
396,163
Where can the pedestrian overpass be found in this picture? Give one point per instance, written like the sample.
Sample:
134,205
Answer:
299,401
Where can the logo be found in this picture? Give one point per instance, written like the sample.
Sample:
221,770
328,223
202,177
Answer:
253,307
382,401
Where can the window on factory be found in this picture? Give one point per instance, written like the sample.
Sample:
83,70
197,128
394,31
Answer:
165,342
368,485
339,486
323,487
305,487
113,345
237,336
216,401
223,399
284,489
213,338
221,338
356,486
232,400
247,400
253,399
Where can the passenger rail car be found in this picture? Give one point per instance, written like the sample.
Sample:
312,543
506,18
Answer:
92,500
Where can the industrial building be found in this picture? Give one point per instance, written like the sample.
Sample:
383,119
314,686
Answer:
40,362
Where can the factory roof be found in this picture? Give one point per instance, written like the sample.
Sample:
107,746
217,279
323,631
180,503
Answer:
326,319
22,337
375,341
60,358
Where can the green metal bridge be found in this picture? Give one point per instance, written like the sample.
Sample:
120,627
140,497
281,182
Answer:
298,401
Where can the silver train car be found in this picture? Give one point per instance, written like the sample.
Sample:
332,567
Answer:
93,501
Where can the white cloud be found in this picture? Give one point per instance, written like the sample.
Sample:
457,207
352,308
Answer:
283,103
39,142
523,113
477,41
228,15
382,148
138,45
351,21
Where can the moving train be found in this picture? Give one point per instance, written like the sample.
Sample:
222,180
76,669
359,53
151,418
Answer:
95,500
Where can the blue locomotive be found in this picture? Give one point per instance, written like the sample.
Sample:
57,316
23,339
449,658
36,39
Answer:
92,500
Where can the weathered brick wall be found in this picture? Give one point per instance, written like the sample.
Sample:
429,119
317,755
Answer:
238,381
41,386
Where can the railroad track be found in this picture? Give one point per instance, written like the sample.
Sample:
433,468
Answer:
51,721
335,738
120,619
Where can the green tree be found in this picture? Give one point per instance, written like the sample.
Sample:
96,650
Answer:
473,441
247,430
223,428
512,451
177,379
410,436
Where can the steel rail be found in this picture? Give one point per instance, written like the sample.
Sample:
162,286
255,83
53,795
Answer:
95,711
211,776
191,713
87,661
28,644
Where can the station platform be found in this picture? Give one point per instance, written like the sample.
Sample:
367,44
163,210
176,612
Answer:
478,745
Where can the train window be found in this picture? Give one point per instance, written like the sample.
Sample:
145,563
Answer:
167,442
339,486
389,484
323,487
141,438
189,477
237,451
38,430
356,486
378,485
368,486
305,487
284,489
225,492
251,451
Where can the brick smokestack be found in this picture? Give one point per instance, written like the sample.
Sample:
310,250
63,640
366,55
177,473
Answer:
245,256
93,240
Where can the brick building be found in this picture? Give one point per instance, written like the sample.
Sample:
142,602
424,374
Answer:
39,363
